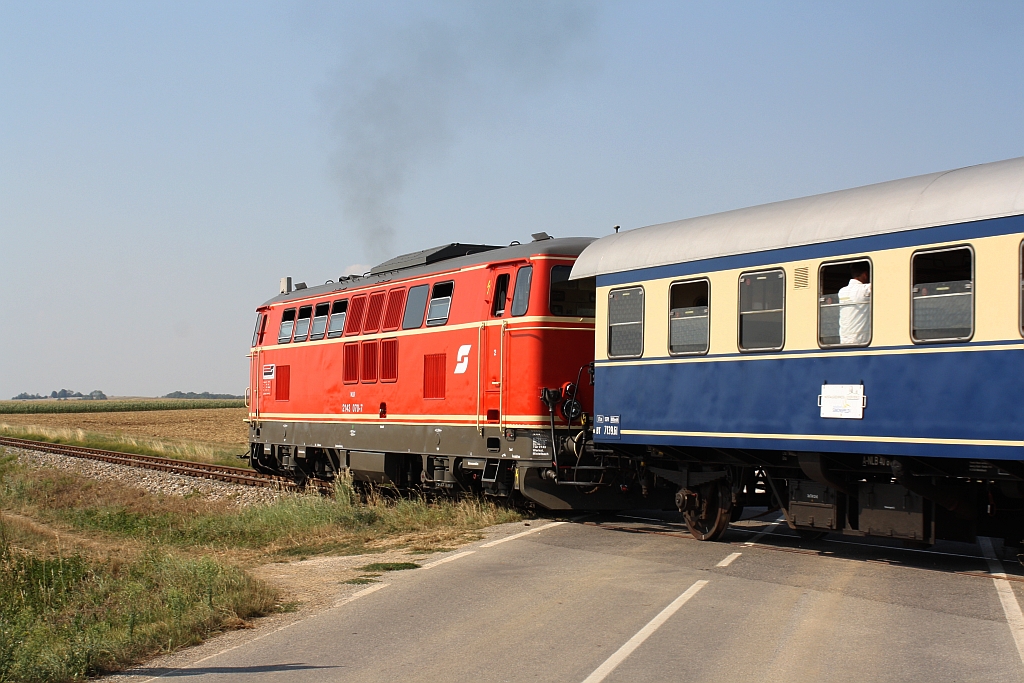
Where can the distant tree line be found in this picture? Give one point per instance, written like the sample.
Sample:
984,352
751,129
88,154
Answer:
62,394
192,394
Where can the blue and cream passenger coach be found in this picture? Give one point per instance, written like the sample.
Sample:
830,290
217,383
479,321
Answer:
855,357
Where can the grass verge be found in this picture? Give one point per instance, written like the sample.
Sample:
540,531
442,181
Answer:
123,443
95,575
109,406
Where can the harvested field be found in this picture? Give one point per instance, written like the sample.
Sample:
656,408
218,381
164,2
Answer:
212,425
112,406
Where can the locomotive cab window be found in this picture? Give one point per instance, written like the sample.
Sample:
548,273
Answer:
688,318
844,303
320,321
762,310
626,322
302,326
521,296
440,303
261,326
500,295
577,298
942,295
415,306
337,326
284,333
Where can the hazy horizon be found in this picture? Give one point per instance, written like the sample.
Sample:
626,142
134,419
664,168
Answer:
163,165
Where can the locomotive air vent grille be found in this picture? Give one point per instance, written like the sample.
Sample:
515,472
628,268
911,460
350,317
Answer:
800,278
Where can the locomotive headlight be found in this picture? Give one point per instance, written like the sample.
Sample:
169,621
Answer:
571,410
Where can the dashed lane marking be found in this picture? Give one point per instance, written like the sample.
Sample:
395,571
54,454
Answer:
728,560
521,534
1011,608
620,655
431,565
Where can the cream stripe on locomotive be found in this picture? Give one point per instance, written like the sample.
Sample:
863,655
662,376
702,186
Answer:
514,325
996,316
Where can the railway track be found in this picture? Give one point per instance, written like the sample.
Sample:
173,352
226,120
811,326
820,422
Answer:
201,470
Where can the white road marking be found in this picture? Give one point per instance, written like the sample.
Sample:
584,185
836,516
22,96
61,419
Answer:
431,565
643,634
728,560
767,530
521,534
1011,608
358,594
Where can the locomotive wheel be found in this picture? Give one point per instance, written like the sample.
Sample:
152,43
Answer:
711,517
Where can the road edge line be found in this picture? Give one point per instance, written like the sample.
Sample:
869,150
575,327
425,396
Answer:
431,565
513,537
1007,598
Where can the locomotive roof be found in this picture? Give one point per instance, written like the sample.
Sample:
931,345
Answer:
974,193
565,246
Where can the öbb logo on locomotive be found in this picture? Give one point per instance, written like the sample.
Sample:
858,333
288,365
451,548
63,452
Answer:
706,365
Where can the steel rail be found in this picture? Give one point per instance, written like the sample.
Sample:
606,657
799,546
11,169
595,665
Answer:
201,470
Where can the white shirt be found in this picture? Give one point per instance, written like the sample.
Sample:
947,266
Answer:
855,313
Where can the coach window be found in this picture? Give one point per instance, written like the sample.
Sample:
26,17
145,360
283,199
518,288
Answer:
415,306
440,303
302,326
320,321
521,296
626,322
762,310
942,295
688,317
500,295
577,298
844,303
337,325
284,334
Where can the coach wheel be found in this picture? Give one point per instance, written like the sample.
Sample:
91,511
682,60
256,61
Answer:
710,517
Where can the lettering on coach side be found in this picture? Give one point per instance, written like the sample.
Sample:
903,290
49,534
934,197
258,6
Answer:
462,358
607,426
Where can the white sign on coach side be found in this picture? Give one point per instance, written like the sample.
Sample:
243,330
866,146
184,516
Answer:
843,401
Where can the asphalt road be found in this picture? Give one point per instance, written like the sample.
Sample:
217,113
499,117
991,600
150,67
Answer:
622,598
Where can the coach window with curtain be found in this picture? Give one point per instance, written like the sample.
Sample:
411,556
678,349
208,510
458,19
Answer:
942,295
762,310
626,322
688,318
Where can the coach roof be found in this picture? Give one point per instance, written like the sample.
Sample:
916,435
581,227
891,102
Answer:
967,194
566,246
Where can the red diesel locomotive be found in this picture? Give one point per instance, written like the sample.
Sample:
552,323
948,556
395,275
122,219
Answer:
462,367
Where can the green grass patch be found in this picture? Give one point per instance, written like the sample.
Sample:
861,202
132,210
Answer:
360,581
179,450
65,616
388,566
113,406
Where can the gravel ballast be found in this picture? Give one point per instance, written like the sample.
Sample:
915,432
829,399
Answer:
153,481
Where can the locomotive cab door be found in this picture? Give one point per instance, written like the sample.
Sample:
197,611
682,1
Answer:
493,344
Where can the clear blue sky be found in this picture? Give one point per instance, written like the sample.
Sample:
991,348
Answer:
162,165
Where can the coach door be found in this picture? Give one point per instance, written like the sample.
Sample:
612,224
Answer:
493,345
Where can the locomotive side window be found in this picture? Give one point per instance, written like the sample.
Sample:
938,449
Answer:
576,298
942,295
337,325
688,318
284,334
415,307
440,303
393,311
320,321
521,296
302,326
500,295
844,304
354,318
762,310
626,322
261,326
